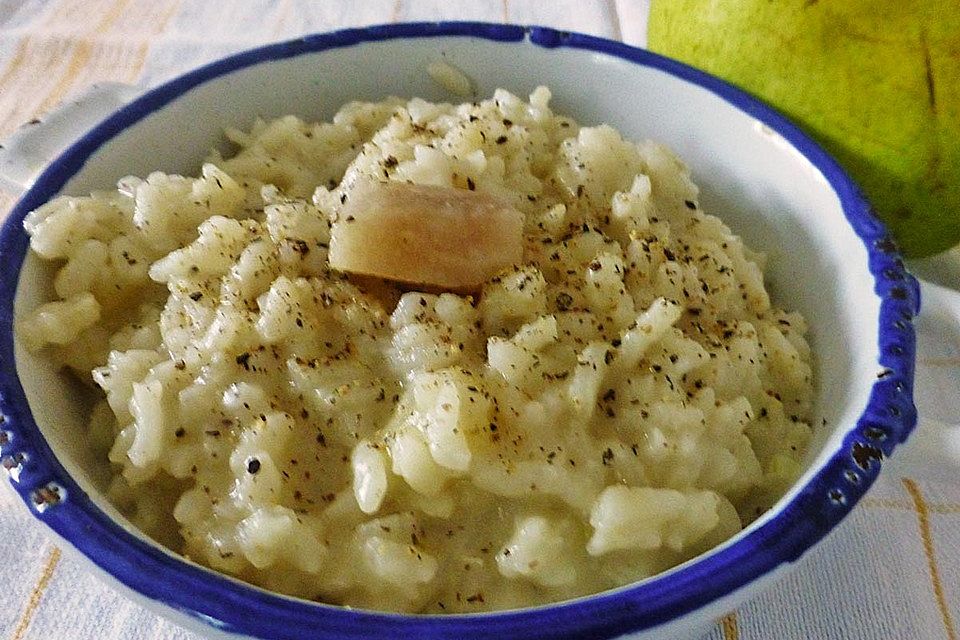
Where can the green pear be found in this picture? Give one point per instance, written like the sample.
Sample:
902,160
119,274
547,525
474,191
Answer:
876,82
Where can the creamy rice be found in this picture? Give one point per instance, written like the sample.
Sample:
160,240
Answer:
622,400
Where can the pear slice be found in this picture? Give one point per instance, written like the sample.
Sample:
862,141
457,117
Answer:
426,235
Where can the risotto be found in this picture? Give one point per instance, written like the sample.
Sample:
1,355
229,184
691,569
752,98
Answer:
610,397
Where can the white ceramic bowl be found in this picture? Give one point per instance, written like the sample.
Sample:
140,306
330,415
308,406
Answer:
828,258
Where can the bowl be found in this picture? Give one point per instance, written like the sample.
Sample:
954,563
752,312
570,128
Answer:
829,258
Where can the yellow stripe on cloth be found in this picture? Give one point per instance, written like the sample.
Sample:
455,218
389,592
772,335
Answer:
939,362
159,26
27,78
884,503
904,505
49,60
37,594
15,62
18,78
81,57
731,630
944,508
6,203
923,516
74,14
283,13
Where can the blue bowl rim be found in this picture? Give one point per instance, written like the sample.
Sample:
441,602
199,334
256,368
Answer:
236,607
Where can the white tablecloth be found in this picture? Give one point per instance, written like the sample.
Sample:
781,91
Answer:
890,571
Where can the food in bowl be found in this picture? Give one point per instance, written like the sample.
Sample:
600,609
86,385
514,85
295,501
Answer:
604,397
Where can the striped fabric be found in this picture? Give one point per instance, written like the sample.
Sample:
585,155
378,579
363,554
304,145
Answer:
891,571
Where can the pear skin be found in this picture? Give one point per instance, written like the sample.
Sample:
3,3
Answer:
876,82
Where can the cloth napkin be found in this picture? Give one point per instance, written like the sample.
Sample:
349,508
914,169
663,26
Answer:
890,571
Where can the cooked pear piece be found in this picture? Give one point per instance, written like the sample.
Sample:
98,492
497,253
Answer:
426,235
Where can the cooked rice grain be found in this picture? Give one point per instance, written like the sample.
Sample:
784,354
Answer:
622,400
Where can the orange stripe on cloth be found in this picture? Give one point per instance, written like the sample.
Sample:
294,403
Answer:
26,617
731,630
923,516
